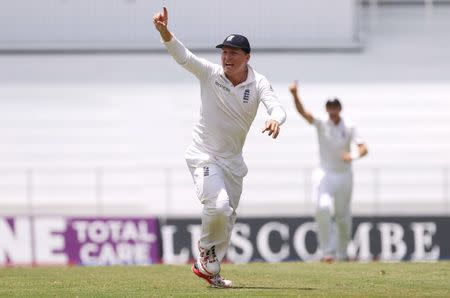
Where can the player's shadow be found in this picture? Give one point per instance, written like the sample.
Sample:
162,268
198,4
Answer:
272,288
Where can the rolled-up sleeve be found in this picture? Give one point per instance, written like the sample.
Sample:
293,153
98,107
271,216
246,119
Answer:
271,102
356,137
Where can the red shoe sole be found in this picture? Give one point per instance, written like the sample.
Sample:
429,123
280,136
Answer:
201,275
327,260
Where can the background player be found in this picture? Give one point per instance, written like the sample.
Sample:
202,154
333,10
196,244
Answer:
333,181
230,96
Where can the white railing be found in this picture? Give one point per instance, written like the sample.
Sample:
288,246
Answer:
424,2
167,191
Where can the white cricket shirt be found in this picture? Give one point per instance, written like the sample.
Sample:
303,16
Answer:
334,140
227,111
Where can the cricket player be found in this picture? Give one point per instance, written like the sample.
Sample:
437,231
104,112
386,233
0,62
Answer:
333,181
230,95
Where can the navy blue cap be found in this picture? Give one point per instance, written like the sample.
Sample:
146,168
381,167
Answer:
333,102
236,41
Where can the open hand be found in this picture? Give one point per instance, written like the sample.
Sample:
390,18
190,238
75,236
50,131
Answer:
273,127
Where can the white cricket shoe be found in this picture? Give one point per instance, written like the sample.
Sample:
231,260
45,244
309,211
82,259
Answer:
207,262
217,281
207,267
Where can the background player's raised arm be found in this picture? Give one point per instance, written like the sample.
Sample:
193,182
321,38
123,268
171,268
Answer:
298,104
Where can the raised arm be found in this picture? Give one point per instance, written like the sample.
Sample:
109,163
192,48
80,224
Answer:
298,104
201,68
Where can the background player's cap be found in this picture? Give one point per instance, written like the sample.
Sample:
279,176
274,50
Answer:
333,102
236,41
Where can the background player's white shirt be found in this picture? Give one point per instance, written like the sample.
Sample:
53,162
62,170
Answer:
334,140
227,111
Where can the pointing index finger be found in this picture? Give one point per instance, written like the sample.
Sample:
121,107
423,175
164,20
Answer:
165,13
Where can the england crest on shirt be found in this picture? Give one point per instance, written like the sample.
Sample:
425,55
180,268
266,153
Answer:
246,96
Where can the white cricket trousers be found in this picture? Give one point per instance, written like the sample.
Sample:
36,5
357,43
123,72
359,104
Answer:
219,191
332,196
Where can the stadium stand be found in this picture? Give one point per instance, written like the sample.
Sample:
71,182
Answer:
105,134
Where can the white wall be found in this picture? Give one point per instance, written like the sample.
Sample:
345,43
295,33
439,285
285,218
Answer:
127,24
69,148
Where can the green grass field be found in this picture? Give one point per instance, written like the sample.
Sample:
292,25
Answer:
256,279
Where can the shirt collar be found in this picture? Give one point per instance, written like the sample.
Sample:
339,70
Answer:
331,123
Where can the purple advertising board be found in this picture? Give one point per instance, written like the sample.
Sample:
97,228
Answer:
56,240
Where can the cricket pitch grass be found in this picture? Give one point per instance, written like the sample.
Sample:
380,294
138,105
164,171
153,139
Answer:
255,279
